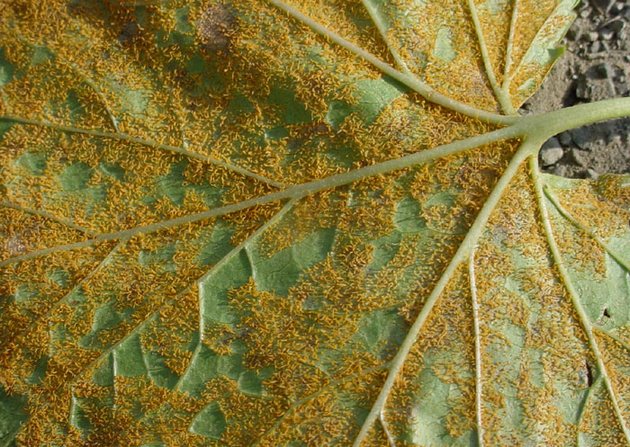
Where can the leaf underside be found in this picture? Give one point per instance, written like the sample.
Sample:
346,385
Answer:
204,240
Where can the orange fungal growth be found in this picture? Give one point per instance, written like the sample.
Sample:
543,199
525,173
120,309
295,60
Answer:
300,223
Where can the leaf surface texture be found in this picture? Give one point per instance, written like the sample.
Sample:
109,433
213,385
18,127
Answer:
252,223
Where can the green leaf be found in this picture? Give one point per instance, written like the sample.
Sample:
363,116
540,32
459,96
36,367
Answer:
210,422
310,223
6,69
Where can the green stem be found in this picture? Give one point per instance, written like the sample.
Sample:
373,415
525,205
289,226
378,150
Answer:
548,124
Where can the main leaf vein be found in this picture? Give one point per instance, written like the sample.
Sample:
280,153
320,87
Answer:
296,191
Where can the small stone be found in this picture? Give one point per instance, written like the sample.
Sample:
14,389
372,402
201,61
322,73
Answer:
617,7
581,137
592,173
596,47
602,71
601,89
565,139
573,34
578,157
561,170
592,36
615,25
551,152
582,89
606,34
614,139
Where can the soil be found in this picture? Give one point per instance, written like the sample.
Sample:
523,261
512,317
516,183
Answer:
595,66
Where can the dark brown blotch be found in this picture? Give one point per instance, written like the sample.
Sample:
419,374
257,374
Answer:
216,27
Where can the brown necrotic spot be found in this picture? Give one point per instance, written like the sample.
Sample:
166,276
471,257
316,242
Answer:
589,374
128,33
215,27
14,245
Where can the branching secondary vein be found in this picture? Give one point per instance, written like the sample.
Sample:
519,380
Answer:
541,126
565,278
382,29
148,143
46,215
507,68
292,192
461,255
410,81
580,226
500,94
152,316
227,258
30,328
585,403
304,400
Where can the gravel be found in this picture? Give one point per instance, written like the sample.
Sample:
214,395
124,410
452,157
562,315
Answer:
551,152
596,66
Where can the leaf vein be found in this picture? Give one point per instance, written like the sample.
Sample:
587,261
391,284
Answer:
413,83
500,94
143,142
296,191
235,251
588,231
462,253
477,333
46,215
566,281
383,32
